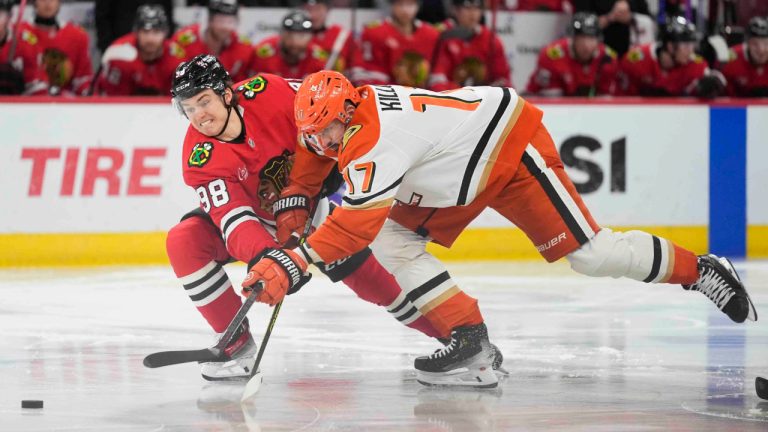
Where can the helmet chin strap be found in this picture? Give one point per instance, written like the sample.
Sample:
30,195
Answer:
226,122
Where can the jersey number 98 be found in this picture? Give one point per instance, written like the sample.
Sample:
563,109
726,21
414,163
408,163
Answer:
216,194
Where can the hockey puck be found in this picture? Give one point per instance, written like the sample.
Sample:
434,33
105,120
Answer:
36,404
761,386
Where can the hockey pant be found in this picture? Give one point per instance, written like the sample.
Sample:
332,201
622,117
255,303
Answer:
197,254
543,202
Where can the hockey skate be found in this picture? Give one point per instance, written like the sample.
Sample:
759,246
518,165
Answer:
718,281
466,361
241,354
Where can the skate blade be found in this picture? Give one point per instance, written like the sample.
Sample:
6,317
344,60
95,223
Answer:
461,377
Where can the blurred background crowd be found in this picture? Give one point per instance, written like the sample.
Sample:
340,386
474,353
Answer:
692,48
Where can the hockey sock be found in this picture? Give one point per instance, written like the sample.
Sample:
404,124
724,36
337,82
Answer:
195,249
372,283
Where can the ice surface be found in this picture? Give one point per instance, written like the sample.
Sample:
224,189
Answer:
584,355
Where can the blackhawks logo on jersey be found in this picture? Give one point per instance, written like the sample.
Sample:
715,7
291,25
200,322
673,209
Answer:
555,52
265,51
201,154
187,38
635,55
253,87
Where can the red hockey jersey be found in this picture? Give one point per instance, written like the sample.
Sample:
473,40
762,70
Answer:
559,74
125,77
480,60
26,60
641,74
65,57
238,182
237,55
387,56
269,60
744,78
336,38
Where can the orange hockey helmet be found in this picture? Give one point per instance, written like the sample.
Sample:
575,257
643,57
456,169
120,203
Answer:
320,100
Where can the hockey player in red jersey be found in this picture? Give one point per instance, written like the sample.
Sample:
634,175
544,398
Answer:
411,180
334,39
64,46
237,154
578,65
396,50
142,62
219,38
469,54
291,54
20,71
747,68
670,67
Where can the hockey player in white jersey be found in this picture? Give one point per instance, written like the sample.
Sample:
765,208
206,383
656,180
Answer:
419,167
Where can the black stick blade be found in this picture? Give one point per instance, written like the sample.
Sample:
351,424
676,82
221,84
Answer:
167,358
761,386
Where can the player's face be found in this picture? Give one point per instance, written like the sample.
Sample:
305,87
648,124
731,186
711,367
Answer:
206,112
221,26
404,11
584,47
150,42
468,16
328,138
47,8
295,43
5,17
318,13
682,52
758,50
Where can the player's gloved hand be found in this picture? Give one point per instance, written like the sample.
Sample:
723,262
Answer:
281,271
291,213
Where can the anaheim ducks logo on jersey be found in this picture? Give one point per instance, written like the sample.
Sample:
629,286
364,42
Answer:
201,154
253,87
349,133
273,178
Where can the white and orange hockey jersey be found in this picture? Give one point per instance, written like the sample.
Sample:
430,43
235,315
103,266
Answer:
419,148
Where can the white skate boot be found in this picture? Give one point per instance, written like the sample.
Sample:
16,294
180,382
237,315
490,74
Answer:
242,357
718,281
466,361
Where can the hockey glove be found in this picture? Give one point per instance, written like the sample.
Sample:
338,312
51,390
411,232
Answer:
291,213
281,271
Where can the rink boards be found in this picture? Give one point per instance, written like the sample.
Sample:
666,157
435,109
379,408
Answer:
100,182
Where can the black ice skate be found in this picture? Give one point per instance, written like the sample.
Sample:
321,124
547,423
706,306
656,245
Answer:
718,281
466,361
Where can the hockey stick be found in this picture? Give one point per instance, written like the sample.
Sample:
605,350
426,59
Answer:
761,386
16,31
212,354
254,381
338,45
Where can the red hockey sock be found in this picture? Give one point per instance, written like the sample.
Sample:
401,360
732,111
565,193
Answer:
374,284
195,249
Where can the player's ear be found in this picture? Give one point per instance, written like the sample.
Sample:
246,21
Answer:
228,96
349,109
